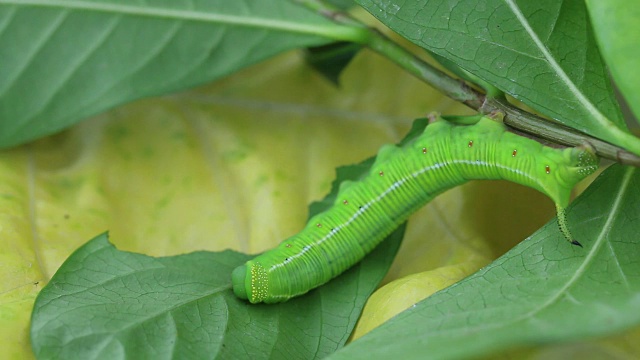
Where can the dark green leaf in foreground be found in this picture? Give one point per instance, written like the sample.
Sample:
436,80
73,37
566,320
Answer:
541,291
342,4
330,60
109,304
541,52
64,60
105,303
617,28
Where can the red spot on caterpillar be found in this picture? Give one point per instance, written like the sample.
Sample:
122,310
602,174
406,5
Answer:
381,173
470,143
345,202
547,169
515,151
424,150
319,225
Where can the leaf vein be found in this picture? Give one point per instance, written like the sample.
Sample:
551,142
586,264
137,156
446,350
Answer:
329,30
38,46
80,60
559,71
615,208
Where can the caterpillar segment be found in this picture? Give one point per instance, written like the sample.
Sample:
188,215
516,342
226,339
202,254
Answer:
402,180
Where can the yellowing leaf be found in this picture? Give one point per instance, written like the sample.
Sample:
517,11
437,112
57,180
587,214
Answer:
233,165
401,294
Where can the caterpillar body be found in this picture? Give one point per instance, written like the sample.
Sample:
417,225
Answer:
401,180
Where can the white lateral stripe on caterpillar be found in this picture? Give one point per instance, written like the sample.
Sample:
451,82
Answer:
399,182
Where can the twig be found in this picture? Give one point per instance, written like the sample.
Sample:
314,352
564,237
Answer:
458,90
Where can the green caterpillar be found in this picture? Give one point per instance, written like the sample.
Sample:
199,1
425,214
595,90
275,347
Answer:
402,180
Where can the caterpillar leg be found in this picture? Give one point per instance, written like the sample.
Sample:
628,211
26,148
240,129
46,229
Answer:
562,223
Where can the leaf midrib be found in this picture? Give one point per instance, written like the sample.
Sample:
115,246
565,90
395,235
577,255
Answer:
571,86
148,317
329,30
600,240
588,260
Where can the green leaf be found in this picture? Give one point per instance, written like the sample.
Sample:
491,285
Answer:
490,90
330,60
184,306
541,291
63,60
231,165
617,29
341,4
105,303
541,52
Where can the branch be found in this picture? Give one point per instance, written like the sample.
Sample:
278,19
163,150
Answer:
514,117
458,90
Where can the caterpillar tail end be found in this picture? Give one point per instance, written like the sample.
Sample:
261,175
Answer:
564,229
238,277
